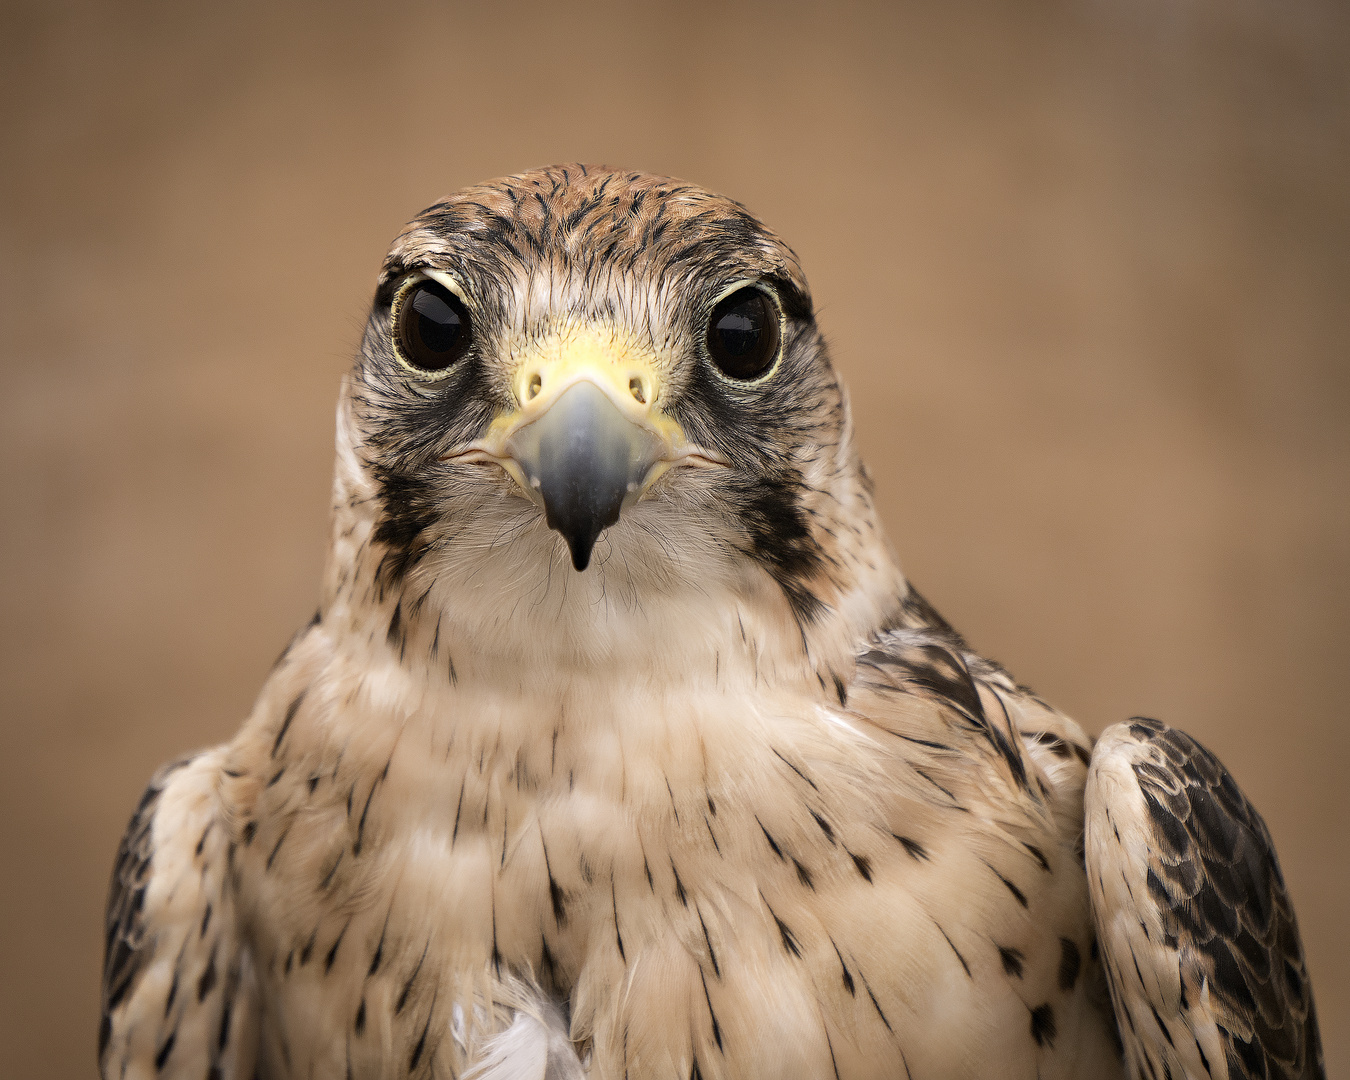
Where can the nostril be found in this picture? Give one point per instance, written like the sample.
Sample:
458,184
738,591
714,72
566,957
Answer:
635,388
536,384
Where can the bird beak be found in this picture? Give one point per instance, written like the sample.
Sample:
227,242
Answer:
588,438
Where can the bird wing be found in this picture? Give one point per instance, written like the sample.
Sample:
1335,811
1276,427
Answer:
1201,946
179,995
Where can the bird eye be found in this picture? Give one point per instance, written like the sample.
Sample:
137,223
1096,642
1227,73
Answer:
431,326
743,334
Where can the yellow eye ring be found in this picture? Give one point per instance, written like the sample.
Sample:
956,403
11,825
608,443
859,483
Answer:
432,328
745,333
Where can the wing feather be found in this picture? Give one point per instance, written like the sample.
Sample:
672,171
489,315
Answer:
178,990
1201,945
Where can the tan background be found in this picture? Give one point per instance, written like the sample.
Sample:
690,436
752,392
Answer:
1086,265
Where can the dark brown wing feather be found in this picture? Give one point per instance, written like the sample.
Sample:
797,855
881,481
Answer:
178,990
1214,883
124,929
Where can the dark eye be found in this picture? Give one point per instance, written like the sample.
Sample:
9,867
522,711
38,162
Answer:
433,326
743,334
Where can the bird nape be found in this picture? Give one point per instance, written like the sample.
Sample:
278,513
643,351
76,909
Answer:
619,746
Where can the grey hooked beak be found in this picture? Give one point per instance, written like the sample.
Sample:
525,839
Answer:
587,440
586,461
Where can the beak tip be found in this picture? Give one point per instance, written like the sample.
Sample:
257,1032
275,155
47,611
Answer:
581,547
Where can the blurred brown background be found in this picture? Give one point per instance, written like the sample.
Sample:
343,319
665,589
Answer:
1086,265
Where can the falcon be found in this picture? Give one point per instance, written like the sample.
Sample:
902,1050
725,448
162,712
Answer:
619,746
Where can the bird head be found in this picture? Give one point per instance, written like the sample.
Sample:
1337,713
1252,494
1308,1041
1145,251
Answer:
586,373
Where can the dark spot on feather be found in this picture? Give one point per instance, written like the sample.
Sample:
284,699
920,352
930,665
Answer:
773,844
784,932
223,1038
946,791
407,986
1054,743
930,743
459,808
1070,962
165,1050
848,979
250,831
555,894
716,846
291,710
864,865
332,953
875,1004
913,848
1017,893
803,875
548,968
1043,1025
1161,1026
1138,974
332,871
824,826
716,1027
1012,961
276,848
679,885
308,950
618,937
707,940
422,1040
379,949
207,982
361,825
360,1025
673,808
794,768
952,944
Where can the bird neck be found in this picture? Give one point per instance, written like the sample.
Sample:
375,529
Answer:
564,630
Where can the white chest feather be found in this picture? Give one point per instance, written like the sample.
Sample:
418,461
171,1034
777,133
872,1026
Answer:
718,878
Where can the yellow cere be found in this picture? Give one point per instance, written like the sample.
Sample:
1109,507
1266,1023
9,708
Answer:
585,352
